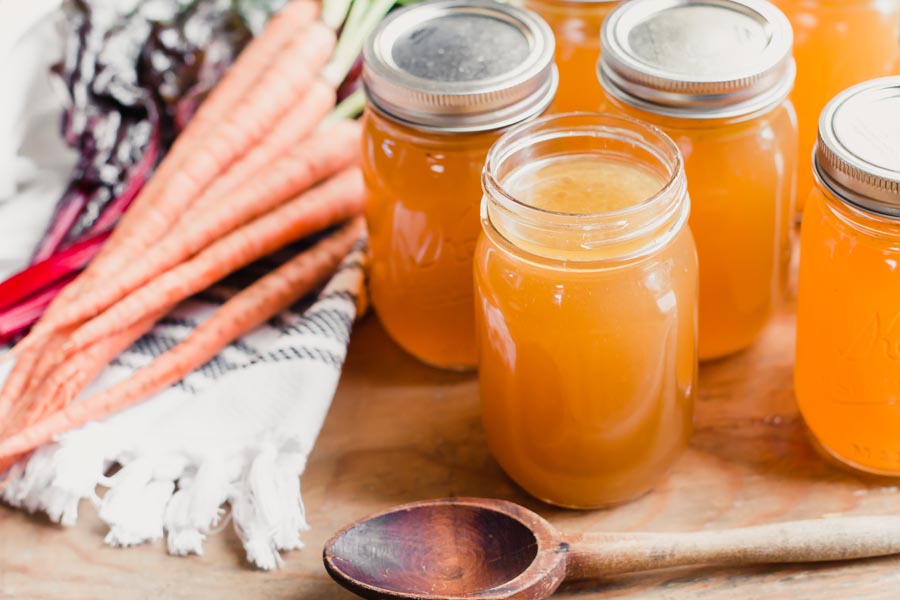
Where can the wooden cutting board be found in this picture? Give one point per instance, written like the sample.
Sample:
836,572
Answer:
399,432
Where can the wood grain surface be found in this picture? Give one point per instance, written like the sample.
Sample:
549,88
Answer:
400,432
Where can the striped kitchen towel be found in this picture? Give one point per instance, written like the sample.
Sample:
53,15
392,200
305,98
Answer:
238,431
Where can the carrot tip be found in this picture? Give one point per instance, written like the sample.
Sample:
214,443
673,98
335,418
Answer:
35,339
6,465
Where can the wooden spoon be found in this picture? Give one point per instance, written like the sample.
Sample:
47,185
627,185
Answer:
475,548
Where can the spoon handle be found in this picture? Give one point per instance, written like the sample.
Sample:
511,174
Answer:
594,555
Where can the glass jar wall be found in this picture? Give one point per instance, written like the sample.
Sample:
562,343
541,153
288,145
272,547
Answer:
422,211
576,25
586,289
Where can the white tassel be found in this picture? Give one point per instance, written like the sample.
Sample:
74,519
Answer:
26,485
196,508
287,535
268,515
135,504
76,470
50,485
252,510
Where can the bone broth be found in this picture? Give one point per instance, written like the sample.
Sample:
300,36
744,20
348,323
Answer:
723,98
443,81
586,288
847,371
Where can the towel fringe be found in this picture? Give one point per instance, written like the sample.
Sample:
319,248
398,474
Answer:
54,482
267,510
135,504
196,507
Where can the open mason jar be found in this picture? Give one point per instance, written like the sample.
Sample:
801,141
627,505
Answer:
586,303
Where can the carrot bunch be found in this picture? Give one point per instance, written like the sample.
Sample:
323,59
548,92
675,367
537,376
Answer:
265,161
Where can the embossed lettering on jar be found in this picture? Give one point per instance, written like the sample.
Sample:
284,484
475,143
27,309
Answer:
443,81
847,372
723,98
586,290
576,25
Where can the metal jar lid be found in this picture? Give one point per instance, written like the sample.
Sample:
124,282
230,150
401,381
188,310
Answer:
858,153
698,59
460,65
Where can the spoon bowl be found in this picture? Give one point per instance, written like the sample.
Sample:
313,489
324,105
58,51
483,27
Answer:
483,547
479,549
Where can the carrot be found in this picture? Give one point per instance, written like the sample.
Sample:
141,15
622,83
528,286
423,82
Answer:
18,378
296,125
246,310
334,201
279,88
234,86
5,464
241,115
327,151
320,155
240,78
107,348
64,384
237,82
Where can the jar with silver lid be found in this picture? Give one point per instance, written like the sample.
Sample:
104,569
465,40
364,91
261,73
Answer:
576,25
847,371
443,80
715,75
839,43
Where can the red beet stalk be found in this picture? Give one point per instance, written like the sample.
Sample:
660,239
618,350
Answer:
65,216
38,277
17,320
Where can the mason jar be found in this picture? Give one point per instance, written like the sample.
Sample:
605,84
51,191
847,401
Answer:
576,25
847,371
837,44
443,81
715,75
586,302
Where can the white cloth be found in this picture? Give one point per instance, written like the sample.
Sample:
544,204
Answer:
34,162
237,431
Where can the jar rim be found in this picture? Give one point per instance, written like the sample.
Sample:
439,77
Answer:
494,156
623,234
